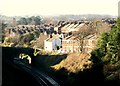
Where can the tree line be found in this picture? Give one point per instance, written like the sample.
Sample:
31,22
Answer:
34,20
108,53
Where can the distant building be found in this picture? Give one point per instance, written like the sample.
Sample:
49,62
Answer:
90,43
70,45
52,43
14,23
10,32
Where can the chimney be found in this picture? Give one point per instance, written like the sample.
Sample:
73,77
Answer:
50,35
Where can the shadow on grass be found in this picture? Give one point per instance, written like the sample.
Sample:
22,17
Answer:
88,76
46,61
93,76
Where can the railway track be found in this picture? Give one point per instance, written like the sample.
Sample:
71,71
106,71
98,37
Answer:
41,78
24,74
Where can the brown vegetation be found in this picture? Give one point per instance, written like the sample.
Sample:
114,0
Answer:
74,63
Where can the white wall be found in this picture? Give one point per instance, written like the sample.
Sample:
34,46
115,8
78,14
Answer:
58,42
48,46
53,44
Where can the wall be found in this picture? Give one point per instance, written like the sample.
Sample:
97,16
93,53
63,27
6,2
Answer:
48,46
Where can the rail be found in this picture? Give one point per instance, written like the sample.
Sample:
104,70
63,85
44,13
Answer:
43,79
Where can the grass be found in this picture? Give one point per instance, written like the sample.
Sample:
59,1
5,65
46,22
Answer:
74,63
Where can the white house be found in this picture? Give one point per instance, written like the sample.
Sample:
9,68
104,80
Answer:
53,43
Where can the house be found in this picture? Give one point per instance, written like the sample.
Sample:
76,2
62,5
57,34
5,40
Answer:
72,27
90,43
71,45
11,32
52,43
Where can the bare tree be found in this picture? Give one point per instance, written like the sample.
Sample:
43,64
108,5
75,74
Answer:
94,26
98,26
81,34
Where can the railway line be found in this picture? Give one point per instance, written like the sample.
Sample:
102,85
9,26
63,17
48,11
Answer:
27,72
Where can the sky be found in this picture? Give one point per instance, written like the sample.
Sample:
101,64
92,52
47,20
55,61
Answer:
58,7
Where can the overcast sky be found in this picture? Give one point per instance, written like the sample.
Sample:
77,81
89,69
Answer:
56,7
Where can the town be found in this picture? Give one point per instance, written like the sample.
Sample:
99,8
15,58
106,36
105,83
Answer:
60,42
74,51
64,37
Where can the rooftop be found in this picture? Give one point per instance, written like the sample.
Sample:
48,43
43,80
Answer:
53,37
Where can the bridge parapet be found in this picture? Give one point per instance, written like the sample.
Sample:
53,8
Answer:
12,52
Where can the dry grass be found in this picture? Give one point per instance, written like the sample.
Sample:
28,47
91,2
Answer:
74,63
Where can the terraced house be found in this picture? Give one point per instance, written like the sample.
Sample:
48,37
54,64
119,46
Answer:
71,45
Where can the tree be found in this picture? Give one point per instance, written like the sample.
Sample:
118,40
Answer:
108,53
80,36
36,34
102,42
109,44
37,20
99,26
29,20
26,39
23,21
14,22
3,25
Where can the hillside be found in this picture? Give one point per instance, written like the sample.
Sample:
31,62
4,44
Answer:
74,63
